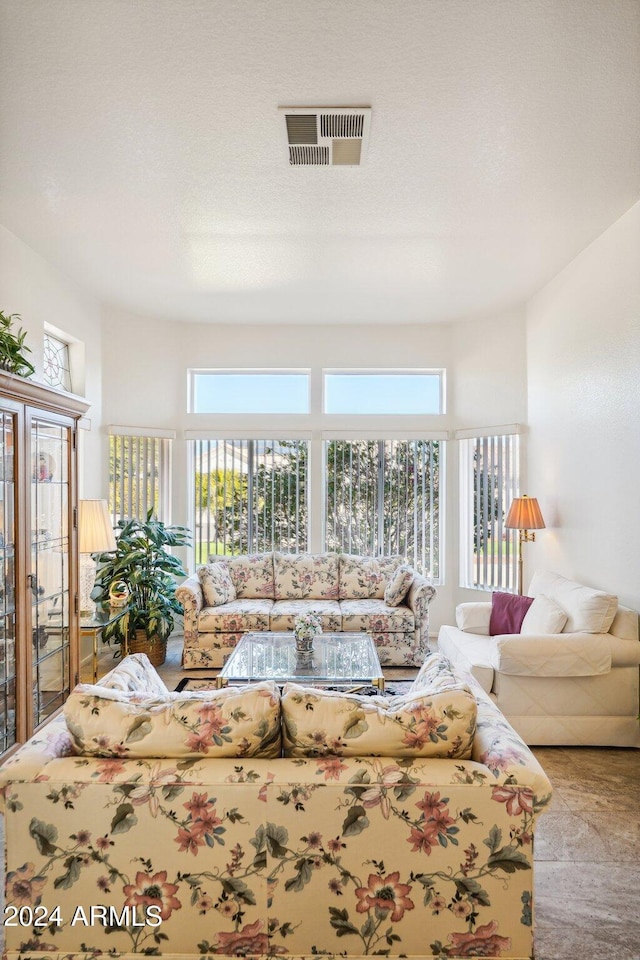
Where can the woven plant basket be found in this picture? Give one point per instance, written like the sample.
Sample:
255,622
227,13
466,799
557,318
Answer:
155,649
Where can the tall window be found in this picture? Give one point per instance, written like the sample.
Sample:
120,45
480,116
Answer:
382,497
139,476
489,477
249,496
57,365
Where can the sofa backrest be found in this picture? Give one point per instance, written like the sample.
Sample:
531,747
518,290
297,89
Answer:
364,578
252,574
306,576
588,610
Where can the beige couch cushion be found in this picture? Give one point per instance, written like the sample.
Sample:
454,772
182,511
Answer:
588,610
376,616
362,578
237,616
239,721
284,612
301,576
319,722
252,575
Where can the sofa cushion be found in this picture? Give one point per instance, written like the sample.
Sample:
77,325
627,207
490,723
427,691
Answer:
398,586
543,616
474,617
217,585
301,576
241,721
362,578
135,674
376,616
319,722
284,612
469,653
507,613
588,610
252,575
237,616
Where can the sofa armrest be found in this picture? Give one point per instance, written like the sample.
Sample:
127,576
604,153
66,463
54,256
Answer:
420,595
552,655
28,763
189,594
474,617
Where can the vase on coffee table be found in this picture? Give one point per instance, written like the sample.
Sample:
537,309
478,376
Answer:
306,627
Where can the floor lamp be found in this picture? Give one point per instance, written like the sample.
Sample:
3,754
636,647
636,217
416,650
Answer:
524,515
95,536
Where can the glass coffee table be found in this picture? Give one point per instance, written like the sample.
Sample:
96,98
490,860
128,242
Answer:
338,658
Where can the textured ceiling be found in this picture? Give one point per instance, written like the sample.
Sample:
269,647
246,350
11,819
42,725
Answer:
141,150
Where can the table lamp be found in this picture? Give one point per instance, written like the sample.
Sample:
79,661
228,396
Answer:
524,515
95,536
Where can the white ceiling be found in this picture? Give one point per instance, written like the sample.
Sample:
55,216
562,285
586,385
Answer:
141,150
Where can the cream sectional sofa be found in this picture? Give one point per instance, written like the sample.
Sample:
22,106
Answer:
271,589
141,822
579,686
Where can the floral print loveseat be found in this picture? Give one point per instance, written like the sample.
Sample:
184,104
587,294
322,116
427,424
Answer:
226,849
270,589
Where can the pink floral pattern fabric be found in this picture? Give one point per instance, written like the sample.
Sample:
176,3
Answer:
241,721
363,578
302,576
398,586
318,723
252,575
284,613
217,585
375,615
327,855
237,616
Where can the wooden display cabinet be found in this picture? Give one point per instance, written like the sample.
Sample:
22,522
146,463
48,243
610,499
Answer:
38,553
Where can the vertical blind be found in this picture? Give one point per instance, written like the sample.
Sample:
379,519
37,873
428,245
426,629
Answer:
489,481
138,477
249,496
383,497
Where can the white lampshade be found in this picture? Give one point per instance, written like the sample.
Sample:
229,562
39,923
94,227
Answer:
95,535
95,528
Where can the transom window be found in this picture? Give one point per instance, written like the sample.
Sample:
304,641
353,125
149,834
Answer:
394,392
249,391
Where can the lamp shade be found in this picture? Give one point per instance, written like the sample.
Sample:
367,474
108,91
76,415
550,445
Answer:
95,528
524,514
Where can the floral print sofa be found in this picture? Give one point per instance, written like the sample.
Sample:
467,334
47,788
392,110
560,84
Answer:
228,850
271,589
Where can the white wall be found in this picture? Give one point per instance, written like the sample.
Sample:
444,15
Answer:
33,288
145,366
583,340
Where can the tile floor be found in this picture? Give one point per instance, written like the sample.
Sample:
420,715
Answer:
587,847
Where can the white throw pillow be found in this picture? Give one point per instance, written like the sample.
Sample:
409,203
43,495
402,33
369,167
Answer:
543,616
398,587
474,617
217,585
588,610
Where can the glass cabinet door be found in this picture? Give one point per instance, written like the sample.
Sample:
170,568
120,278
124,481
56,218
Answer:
49,576
8,722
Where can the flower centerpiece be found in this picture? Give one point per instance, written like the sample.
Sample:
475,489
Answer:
306,626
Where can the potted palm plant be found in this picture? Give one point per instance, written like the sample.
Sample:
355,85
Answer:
13,347
145,575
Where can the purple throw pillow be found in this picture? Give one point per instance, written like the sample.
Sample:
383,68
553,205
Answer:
507,613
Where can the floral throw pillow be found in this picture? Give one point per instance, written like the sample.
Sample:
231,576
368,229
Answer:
217,585
398,587
318,723
242,721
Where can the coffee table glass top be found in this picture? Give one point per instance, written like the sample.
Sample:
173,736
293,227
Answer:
341,658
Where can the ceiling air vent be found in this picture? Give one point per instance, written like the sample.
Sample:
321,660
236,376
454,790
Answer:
326,136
